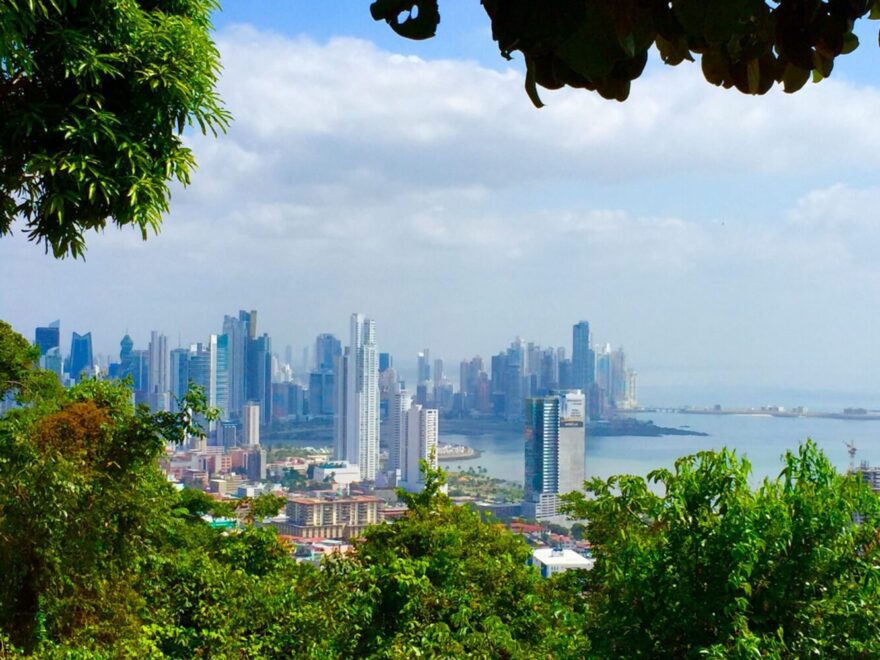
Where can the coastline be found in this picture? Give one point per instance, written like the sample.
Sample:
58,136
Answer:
619,426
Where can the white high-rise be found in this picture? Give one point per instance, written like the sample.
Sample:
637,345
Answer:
250,422
419,443
356,423
398,405
157,377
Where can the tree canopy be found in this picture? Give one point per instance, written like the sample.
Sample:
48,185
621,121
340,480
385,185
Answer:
602,45
714,568
94,97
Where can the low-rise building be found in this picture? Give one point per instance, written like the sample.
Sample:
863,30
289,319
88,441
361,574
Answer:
551,561
330,517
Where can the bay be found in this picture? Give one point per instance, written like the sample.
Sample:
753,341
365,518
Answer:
762,439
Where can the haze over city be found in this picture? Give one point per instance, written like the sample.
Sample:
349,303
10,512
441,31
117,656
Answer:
730,247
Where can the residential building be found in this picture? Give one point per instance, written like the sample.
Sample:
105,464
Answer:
330,517
419,443
356,423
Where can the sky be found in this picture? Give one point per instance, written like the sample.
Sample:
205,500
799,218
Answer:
728,243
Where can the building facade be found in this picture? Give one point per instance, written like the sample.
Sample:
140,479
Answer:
555,446
356,423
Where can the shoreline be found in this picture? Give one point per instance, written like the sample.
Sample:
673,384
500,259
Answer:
620,426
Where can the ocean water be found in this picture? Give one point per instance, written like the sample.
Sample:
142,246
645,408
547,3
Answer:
761,439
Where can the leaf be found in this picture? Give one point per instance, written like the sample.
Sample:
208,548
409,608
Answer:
419,24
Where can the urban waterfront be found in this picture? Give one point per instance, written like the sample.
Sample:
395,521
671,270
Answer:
762,439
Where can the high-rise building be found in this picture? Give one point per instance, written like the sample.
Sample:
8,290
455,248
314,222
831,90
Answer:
385,362
327,349
322,394
555,445
157,380
259,374
250,424
48,337
424,367
398,405
236,332
221,377
419,444
356,423
178,377
438,372
81,359
583,357
203,371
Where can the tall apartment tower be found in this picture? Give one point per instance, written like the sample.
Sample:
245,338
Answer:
157,379
554,451
583,358
250,423
356,423
398,405
419,443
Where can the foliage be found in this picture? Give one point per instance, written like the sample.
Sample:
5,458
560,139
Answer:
17,374
713,567
94,97
440,582
603,45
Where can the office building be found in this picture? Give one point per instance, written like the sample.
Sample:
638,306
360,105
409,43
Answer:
555,445
583,358
81,359
322,394
327,350
258,382
424,367
178,377
48,337
356,423
236,332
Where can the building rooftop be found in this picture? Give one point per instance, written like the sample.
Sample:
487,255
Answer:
561,557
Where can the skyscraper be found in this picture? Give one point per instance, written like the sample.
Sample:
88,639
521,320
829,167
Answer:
81,359
327,349
158,371
178,377
251,424
236,332
419,444
398,406
48,337
583,358
424,367
554,451
259,374
356,423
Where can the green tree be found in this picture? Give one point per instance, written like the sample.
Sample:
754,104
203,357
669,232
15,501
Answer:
603,45
713,567
94,97
442,583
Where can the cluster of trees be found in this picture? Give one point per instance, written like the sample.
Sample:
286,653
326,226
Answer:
102,557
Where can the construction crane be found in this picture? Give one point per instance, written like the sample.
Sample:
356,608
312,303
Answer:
851,450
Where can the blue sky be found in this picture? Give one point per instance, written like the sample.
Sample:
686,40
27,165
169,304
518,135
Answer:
729,243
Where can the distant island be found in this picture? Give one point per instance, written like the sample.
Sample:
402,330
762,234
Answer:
617,426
